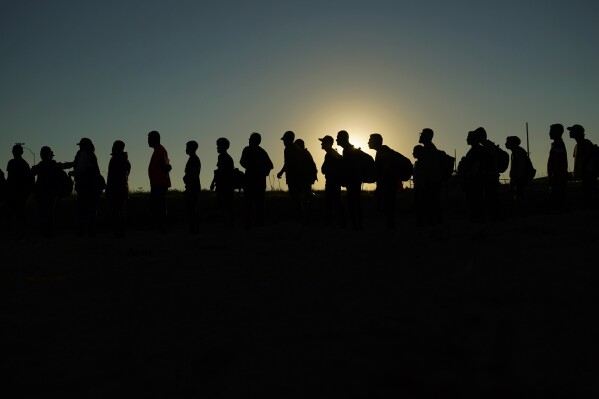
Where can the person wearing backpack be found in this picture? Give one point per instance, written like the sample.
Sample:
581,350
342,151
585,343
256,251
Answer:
430,177
294,169
521,174
387,178
89,184
557,170
471,175
258,165
351,157
333,169
585,168
494,163
309,175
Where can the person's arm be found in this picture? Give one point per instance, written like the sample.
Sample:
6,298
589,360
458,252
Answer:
280,174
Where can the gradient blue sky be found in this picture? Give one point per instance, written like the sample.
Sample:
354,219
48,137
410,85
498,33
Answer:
200,70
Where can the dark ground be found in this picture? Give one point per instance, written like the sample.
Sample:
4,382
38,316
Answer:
305,312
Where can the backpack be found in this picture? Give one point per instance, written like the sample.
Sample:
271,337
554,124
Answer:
309,169
238,179
404,166
446,165
366,166
502,158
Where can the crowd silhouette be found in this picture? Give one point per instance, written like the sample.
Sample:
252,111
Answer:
477,174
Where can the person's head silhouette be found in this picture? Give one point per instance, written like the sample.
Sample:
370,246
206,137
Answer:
576,132
555,131
153,139
375,141
426,136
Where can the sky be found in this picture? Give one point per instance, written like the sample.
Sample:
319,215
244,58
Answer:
199,70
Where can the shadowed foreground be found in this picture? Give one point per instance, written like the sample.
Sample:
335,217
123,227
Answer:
272,312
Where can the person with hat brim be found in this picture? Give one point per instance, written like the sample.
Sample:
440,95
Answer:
117,186
89,184
257,164
333,169
292,168
585,168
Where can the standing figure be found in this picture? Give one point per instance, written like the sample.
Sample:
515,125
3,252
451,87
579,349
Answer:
293,168
19,185
191,178
557,170
257,165
430,178
333,169
223,182
47,189
89,184
309,173
520,174
117,186
387,178
353,180
585,169
160,181
490,175
471,173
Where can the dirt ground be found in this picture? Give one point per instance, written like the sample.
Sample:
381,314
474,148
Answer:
294,311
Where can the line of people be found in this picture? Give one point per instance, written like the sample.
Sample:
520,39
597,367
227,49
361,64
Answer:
478,172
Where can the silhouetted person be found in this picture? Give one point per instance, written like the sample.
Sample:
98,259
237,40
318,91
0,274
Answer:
333,169
387,178
353,180
117,186
430,178
223,182
191,178
47,189
585,169
471,173
89,185
490,176
160,181
257,165
309,175
293,168
557,170
19,185
520,176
